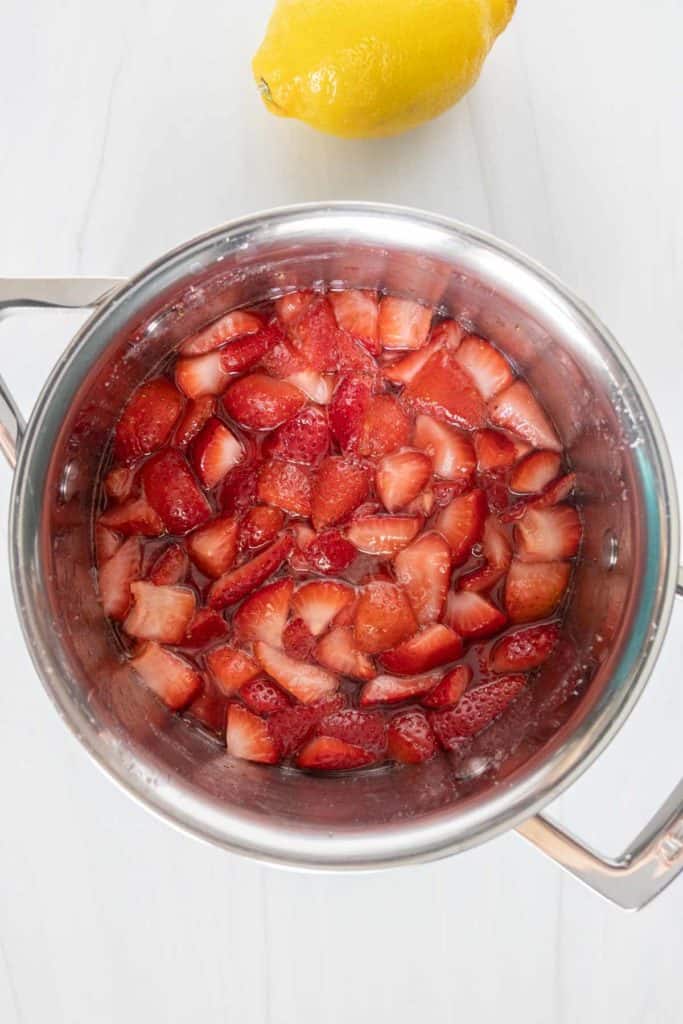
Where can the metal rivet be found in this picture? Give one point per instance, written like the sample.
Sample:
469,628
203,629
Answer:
68,485
610,549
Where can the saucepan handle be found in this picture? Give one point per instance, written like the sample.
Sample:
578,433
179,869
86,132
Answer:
643,870
47,292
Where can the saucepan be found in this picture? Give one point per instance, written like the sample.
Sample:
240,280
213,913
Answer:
618,615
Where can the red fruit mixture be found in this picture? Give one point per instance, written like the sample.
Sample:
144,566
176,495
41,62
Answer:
337,531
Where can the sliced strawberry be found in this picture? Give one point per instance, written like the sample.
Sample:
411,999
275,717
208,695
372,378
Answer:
329,553
494,451
147,420
548,534
497,551
263,697
340,487
167,674
160,613
451,452
435,645
385,427
533,590
249,737
394,689
402,323
209,710
383,535
337,651
229,326
205,627
556,491
213,547
308,683
314,335
423,569
445,490
354,358
262,616
473,616
364,729
262,402
383,617
357,312
196,414
535,472
320,601
329,754
239,488
305,438
237,584
319,387
462,524
525,648
347,410
107,543
410,737
292,726
116,576
402,371
172,491
487,367
400,477
119,482
448,692
285,485
422,505
135,516
215,452
244,353
260,526
198,376
443,389
230,668
517,409
281,360
298,641
290,306
170,567
448,333
477,709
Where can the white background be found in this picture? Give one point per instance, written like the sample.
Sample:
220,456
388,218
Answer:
127,128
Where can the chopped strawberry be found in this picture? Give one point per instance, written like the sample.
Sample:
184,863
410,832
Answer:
147,420
239,488
262,402
385,427
450,451
206,626
445,490
400,478
443,389
422,505
402,371
285,485
435,645
357,312
116,576
262,615
476,709
517,409
170,567
383,617
497,551
487,367
308,683
340,487
263,697
198,376
197,413
209,710
298,641
402,323
535,472
213,546
410,737
232,586
448,692
281,360
494,451
173,493
314,335
330,754
229,326
291,306
160,613
135,516
423,569
119,482
337,651
394,689
533,590
329,552
364,729
107,543
167,674
292,726
305,438
320,601
347,410
319,387
557,490
249,737
525,648
448,333
473,616
354,358
260,526
230,668
462,524
243,353
215,452
548,534
383,535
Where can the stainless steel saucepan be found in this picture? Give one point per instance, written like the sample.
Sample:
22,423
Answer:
625,585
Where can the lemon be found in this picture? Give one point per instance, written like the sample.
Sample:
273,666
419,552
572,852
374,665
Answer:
374,67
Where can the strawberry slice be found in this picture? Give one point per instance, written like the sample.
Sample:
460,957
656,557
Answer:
535,472
357,312
494,451
119,482
383,535
410,737
232,586
444,390
385,427
170,567
107,543
260,526
340,487
525,648
449,334
205,627
209,710
248,737
172,491
462,524
320,601
383,617
422,505
319,387
347,410
433,646
473,616
215,452
366,729
243,353
292,726
230,668
197,413
497,551
116,576
448,692
160,613
337,651
329,754
167,674
354,358
262,616
400,477
533,590
556,491
213,547
329,553
394,689
314,335
298,641
487,367
308,683
263,697
262,402
147,420
451,452
281,360
423,569
135,516
305,438
402,323
285,485
198,376
402,371
229,326
239,488
548,534
517,409
290,307
477,709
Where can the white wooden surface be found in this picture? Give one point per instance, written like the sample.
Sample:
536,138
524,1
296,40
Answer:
127,129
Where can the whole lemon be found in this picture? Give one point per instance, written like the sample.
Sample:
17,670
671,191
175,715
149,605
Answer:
374,67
